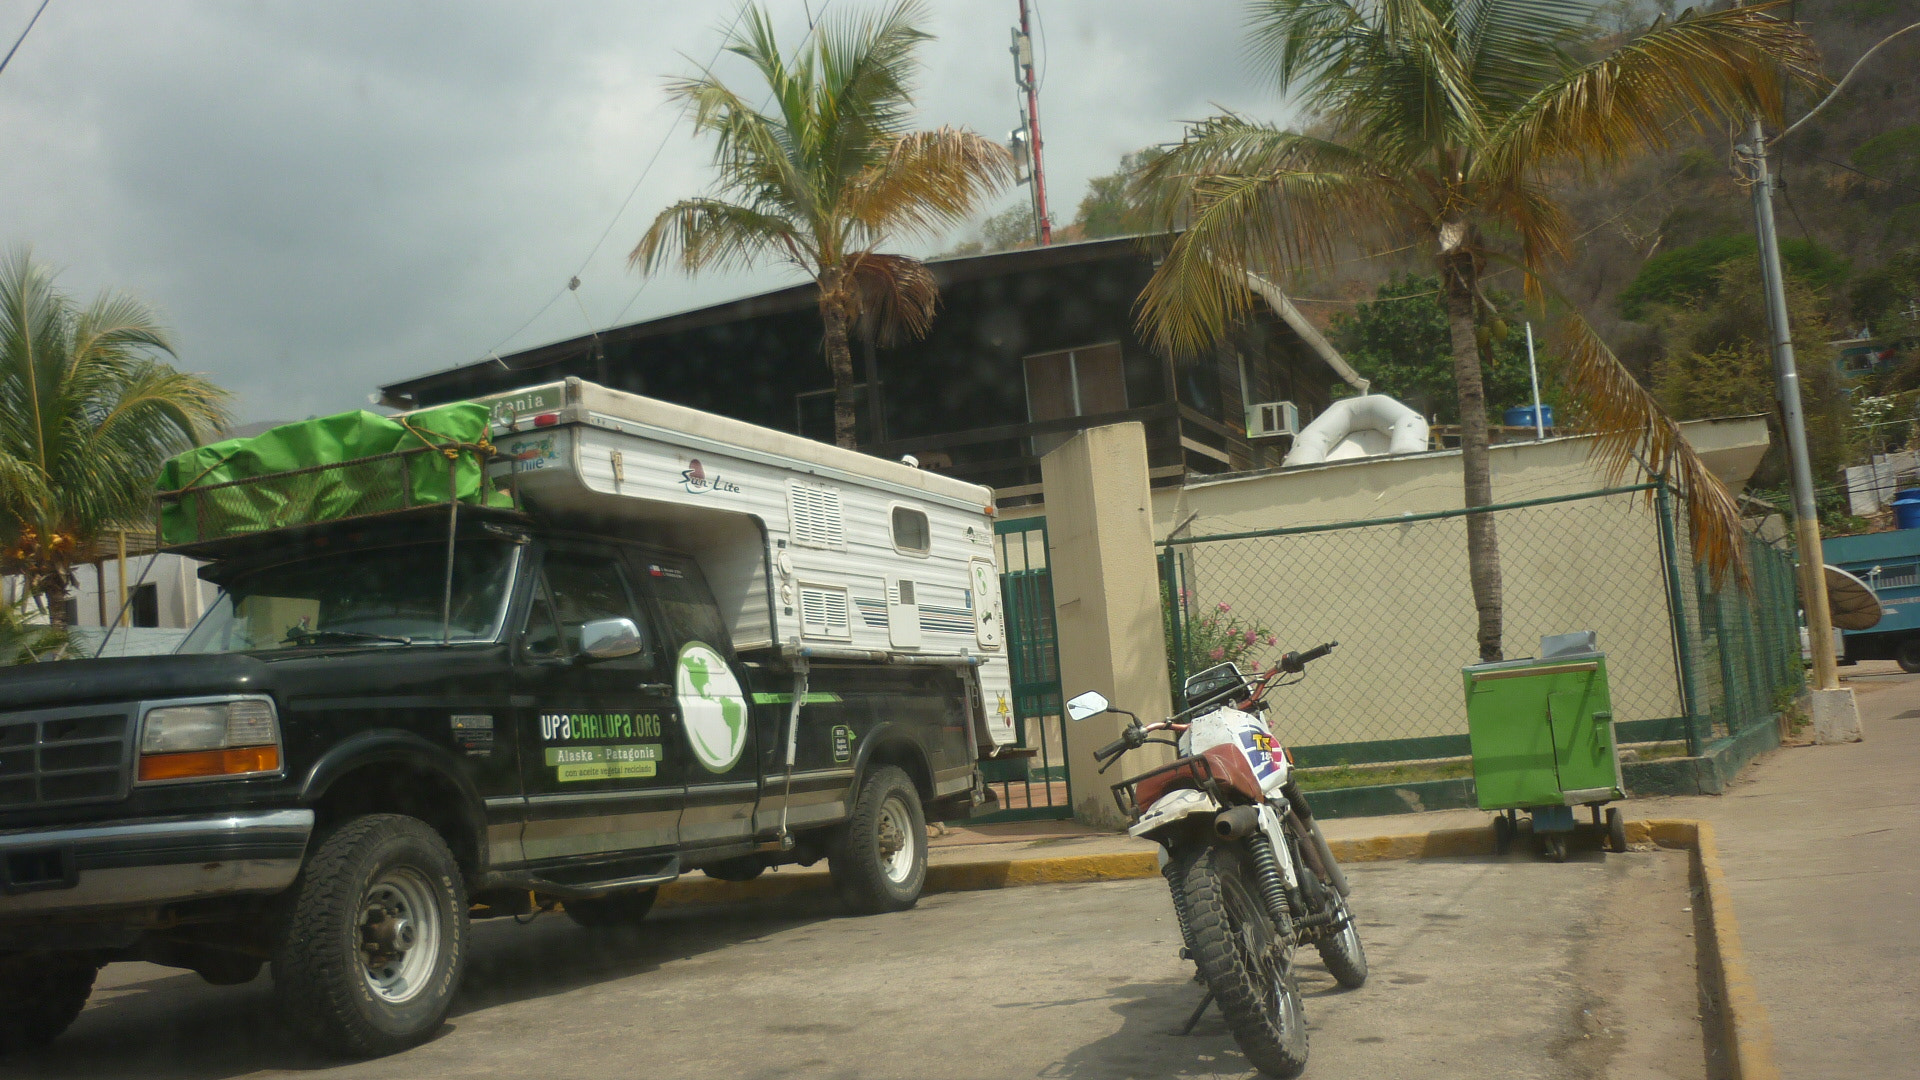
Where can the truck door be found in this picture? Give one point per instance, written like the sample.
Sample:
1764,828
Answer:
601,772
715,736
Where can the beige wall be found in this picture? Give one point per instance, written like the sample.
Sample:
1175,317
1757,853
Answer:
1397,596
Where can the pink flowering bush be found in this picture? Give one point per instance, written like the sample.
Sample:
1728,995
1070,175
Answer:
1210,634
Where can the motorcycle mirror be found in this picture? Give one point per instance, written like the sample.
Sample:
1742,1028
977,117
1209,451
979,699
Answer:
1087,704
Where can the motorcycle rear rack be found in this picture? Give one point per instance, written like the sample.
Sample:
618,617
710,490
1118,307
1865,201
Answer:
1209,783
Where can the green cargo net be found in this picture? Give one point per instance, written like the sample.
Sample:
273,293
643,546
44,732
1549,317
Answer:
351,465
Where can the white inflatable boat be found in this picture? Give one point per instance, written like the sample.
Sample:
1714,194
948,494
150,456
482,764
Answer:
1356,427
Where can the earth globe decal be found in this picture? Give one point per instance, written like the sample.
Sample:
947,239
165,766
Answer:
712,706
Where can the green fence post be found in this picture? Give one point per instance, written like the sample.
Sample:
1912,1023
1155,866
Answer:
1676,607
1176,612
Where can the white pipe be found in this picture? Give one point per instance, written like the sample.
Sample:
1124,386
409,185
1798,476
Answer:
1533,373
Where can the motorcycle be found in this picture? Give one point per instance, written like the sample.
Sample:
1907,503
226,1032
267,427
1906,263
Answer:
1251,874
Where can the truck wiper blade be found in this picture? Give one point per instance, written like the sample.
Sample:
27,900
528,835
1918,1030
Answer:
300,636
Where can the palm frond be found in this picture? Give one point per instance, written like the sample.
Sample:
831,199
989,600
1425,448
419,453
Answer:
928,182
1250,198
894,296
1631,430
713,234
1716,64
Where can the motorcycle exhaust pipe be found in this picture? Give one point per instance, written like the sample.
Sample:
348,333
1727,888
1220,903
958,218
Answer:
1237,822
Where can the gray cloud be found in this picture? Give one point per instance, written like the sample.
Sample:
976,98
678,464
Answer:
321,197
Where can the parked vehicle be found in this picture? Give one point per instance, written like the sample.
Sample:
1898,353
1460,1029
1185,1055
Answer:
1889,564
455,680
1251,874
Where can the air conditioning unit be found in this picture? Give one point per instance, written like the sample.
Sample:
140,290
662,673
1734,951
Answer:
1270,418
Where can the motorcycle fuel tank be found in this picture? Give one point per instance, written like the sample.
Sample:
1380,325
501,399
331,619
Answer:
1246,733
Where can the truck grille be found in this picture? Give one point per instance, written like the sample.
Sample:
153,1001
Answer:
63,756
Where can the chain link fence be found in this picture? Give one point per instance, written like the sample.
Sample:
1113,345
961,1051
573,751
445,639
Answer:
1687,661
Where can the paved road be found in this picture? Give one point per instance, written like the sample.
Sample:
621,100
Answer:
1513,968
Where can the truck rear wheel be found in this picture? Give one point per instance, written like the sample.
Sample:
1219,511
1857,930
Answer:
376,940
40,997
1908,655
879,857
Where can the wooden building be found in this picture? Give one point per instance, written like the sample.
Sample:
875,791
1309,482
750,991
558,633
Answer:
1028,347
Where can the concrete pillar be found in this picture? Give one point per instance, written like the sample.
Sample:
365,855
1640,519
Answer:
1106,594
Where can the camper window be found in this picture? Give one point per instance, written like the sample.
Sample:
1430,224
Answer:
911,533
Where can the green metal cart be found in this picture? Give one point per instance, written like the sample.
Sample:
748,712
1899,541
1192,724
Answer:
1543,742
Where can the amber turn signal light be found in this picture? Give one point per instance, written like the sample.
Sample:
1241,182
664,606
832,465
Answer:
200,764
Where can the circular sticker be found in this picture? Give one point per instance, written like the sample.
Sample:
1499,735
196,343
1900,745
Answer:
712,706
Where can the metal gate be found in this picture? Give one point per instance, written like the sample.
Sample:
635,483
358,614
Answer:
1030,779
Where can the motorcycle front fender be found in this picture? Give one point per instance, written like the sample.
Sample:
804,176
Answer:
1171,809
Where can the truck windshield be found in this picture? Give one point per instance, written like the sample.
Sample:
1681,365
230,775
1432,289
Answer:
389,596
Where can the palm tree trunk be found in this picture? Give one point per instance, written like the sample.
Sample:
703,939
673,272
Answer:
840,363
1483,546
54,589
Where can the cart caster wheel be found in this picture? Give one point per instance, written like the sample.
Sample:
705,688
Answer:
1502,835
1556,847
1616,830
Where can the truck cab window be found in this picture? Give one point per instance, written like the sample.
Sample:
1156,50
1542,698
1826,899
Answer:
576,589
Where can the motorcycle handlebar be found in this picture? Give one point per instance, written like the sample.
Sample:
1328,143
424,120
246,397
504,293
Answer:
1111,748
1294,662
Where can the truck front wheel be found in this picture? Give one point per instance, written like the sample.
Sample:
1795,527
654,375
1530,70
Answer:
879,857
40,997
376,939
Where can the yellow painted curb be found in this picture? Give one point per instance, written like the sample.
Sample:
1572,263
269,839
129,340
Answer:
1746,1029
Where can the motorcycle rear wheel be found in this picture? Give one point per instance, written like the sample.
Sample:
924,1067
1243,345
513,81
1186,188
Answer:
1234,944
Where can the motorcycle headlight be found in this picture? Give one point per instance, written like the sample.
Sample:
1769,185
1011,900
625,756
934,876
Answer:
209,739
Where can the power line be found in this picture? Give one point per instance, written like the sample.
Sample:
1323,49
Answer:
617,214
23,35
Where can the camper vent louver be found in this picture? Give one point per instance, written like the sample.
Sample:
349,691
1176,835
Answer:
824,612
817,520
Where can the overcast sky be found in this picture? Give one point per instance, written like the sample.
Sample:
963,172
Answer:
320,197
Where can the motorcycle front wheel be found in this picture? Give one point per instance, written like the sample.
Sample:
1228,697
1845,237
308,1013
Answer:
1343,954
1238,952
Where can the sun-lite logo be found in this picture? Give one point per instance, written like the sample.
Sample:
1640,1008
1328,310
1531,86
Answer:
697,482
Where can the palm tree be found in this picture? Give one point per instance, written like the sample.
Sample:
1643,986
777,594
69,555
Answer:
87,415
826,176
1444,125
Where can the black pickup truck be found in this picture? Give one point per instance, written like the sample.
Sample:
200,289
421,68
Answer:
382,729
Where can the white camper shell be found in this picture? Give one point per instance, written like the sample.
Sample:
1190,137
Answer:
812,551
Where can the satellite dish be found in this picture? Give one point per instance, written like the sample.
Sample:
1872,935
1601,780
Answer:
1851,603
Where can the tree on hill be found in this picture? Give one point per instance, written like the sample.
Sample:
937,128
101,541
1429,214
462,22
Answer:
827,176
88,414
1400,343
1446,124
1113,205
1685,275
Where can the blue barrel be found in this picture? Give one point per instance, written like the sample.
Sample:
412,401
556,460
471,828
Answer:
1523,417
1906,493
1906,513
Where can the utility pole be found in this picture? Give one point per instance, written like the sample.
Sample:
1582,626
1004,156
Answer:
1827,704
1022,51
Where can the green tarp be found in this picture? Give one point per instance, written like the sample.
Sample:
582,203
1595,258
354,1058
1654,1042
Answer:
319,471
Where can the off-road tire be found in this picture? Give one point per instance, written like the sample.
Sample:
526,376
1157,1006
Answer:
321,977
614,910
1260,999
1908,655
41,998
1345,957
870,880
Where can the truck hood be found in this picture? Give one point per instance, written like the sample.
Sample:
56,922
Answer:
84,682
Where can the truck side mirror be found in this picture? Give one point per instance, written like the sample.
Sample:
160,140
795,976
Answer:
609,639
1087,704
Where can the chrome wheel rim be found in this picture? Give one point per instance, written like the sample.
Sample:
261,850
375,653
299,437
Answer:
399,928
896,841
1349,936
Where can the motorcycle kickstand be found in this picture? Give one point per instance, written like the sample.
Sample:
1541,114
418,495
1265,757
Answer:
1197,1013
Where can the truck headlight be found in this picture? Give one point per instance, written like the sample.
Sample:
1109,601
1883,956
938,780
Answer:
209,739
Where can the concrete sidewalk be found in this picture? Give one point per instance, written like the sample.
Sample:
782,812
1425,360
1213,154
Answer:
1821,846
